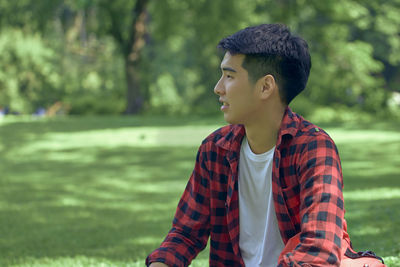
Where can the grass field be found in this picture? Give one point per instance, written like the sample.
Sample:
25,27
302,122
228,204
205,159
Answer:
102,191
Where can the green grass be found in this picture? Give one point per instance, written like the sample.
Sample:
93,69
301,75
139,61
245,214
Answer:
102,191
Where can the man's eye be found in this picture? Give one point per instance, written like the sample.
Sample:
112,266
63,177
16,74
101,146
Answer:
229,76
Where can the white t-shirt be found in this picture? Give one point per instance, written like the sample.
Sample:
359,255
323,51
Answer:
260,241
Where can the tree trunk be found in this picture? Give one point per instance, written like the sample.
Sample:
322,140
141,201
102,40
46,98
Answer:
134,95
137,41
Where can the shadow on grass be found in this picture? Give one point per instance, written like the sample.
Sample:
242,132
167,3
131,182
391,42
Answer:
371,164
116,205
372,193
374,225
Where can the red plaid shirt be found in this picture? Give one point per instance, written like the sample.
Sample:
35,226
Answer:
307,192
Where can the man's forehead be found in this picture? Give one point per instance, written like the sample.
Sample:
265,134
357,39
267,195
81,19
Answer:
230,60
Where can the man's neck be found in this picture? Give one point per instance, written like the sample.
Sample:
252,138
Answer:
262,135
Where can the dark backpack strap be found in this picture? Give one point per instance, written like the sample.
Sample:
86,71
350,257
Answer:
361,254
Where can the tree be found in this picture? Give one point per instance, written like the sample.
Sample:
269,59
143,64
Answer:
161,55
130,44
124,21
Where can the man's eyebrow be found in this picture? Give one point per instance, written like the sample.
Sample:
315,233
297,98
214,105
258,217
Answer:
228,69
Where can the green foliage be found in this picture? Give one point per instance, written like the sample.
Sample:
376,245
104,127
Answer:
164,96
185,36
93,80
67,50
347,68
346,76
29,15
37,73
102,191
41,63
28,75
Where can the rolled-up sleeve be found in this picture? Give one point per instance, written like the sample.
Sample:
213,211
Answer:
191,225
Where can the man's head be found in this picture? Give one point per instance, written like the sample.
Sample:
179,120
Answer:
272,49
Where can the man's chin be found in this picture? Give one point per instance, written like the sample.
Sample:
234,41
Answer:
230,120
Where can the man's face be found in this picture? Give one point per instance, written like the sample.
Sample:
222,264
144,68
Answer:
237,94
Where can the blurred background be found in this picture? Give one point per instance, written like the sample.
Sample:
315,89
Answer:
129,57
103,105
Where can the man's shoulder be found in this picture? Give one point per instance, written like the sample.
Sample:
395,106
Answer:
309,130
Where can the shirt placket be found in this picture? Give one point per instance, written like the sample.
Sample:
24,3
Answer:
232,203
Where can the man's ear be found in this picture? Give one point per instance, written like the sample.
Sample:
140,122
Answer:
268,86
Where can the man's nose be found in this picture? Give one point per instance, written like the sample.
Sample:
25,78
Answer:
218,89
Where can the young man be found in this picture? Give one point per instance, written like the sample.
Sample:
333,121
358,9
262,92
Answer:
268,176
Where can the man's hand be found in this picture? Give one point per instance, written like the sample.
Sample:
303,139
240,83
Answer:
158,264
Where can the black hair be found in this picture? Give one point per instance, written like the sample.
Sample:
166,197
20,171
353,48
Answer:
272,49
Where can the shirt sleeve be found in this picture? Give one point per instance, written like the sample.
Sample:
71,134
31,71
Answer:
321,206
190,228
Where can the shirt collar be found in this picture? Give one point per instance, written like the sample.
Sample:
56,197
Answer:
232,139
289,125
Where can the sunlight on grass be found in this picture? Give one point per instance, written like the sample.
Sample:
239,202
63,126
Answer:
145,240
200,263
367,230
392,261
373,194
127,137
361,136
161,187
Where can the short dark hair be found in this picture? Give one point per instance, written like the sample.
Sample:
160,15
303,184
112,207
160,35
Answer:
272,49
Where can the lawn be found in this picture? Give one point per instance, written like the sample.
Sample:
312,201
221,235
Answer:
101,191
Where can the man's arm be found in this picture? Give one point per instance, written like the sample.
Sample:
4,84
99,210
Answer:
321,206
190,229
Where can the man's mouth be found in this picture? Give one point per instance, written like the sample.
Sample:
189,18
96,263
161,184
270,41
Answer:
225,105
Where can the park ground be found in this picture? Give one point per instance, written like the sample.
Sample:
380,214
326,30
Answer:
101,191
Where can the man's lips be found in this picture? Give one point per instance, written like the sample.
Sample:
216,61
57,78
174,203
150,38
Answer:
225,104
